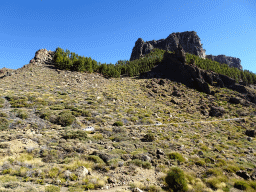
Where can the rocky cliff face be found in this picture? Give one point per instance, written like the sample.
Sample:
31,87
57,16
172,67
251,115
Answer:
189,41
231,61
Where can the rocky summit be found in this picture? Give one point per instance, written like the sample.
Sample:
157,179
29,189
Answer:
189,40
230,61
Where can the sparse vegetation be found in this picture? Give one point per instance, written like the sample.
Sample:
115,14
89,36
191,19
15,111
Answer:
83,131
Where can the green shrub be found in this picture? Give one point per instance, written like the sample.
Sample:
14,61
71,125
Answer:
79,134
149,137
95,159
6,171
22,114
177,156
4,123
175,180
1,102
214,171
57,107
253,184
213,182
82,112
231,169
200,162
52,188
90,186
241,185
65,118
118,123
140,163
73,177
3,115
44,114
98,136
53,173
76,114
146,165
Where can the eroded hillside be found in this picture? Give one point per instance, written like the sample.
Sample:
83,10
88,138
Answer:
72,131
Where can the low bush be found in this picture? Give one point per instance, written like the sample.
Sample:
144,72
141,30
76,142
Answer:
242,185
177,156
22,114
57,107
140,163
149,137
95,159
79,134
52,188
4,123
176,180
118,123
65,118
3,115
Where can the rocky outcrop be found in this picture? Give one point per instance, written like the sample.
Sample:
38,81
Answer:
189,40
230,61
5,72
175,68
42,56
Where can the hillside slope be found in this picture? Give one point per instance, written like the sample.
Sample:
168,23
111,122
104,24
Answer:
138,130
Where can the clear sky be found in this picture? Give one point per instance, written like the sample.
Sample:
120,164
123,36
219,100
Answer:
107,30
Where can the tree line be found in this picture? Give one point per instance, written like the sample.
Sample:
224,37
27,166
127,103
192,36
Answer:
67,60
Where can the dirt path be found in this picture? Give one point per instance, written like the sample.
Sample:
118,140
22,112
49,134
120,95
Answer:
185,122
115,189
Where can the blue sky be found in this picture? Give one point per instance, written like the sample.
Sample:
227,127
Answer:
107,30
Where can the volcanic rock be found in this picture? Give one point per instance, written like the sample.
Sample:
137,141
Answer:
250,133
43,56
216,111
189,40
230,61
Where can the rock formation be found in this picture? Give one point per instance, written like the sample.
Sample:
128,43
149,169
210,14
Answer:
43,56
189,40
230,61
175,69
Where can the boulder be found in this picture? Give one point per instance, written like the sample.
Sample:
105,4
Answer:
228,81
160,152
218,80
216,111
235,100
189,40
207,77
253,175
67,174
180,54
81,172
137,190
239,88
202,86
144,157
243,174
250,133
251,97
